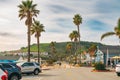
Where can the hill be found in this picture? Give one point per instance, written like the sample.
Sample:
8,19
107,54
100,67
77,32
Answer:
61,47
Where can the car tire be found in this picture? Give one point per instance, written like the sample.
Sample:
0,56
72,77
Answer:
118,74
14,77
36,72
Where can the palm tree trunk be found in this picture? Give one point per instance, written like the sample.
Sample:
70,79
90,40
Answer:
79,33
75,52
79,47
28,43
29,37
38,50
119,39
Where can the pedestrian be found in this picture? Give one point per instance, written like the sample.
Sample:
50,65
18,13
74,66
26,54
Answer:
113,64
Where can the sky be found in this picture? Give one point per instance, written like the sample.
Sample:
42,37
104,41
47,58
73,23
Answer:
98,17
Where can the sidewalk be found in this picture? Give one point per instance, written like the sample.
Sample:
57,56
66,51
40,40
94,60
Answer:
57,67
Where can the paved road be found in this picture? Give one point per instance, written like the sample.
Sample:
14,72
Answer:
81,73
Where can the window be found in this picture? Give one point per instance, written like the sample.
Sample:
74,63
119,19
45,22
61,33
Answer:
7,66
28,64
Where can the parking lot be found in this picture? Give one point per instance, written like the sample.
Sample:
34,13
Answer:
82,73
30,77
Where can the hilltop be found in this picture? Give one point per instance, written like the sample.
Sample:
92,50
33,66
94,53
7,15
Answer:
61,47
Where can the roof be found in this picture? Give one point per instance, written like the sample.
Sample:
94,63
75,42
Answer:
111,49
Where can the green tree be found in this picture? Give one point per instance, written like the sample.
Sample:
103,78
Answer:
53,51
69,48
28,10
37,29
116,31
52,47
77,20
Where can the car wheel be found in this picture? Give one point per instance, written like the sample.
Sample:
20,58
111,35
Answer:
36,72
118,74
14,77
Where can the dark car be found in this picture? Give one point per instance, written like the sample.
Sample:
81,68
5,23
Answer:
14,72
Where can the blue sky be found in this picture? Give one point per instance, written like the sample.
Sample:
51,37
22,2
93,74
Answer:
99,16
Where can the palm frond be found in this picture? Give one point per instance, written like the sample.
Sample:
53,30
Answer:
107,34
119,23
77,19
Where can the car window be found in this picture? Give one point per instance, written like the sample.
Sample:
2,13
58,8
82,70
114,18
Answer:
37,64
28,64
2,68
7,66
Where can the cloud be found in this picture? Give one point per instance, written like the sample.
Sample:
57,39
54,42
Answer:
57,17
5,34
60,9
96,25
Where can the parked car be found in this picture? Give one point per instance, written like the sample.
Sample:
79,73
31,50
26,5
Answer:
14,72
30,67
117,69
3,74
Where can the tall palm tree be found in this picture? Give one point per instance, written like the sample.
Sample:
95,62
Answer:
74,36
116,31
28,10
36,29
77,20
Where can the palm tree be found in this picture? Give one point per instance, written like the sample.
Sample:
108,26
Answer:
53,51
92,49
52,47
116,31
74,36
71,36
69,48
28,10
77,20
36,29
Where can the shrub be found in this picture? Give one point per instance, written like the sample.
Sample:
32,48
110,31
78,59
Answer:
99,66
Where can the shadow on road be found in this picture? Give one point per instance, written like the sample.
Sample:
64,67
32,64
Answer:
40,75
46,75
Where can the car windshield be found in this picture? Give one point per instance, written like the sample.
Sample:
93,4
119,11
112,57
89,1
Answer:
37,64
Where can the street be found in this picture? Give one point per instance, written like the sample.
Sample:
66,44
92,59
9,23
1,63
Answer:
82,73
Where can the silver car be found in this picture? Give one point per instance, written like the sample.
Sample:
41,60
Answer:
117,69
30,67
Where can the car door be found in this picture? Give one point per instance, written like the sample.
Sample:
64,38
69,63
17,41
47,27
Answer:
27,67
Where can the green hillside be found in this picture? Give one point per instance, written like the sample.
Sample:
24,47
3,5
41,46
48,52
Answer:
60,46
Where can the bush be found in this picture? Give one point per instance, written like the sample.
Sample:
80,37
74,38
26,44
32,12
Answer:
99,66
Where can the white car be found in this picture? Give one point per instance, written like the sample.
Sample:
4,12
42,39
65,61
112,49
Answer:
30,67
3,74
117,69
